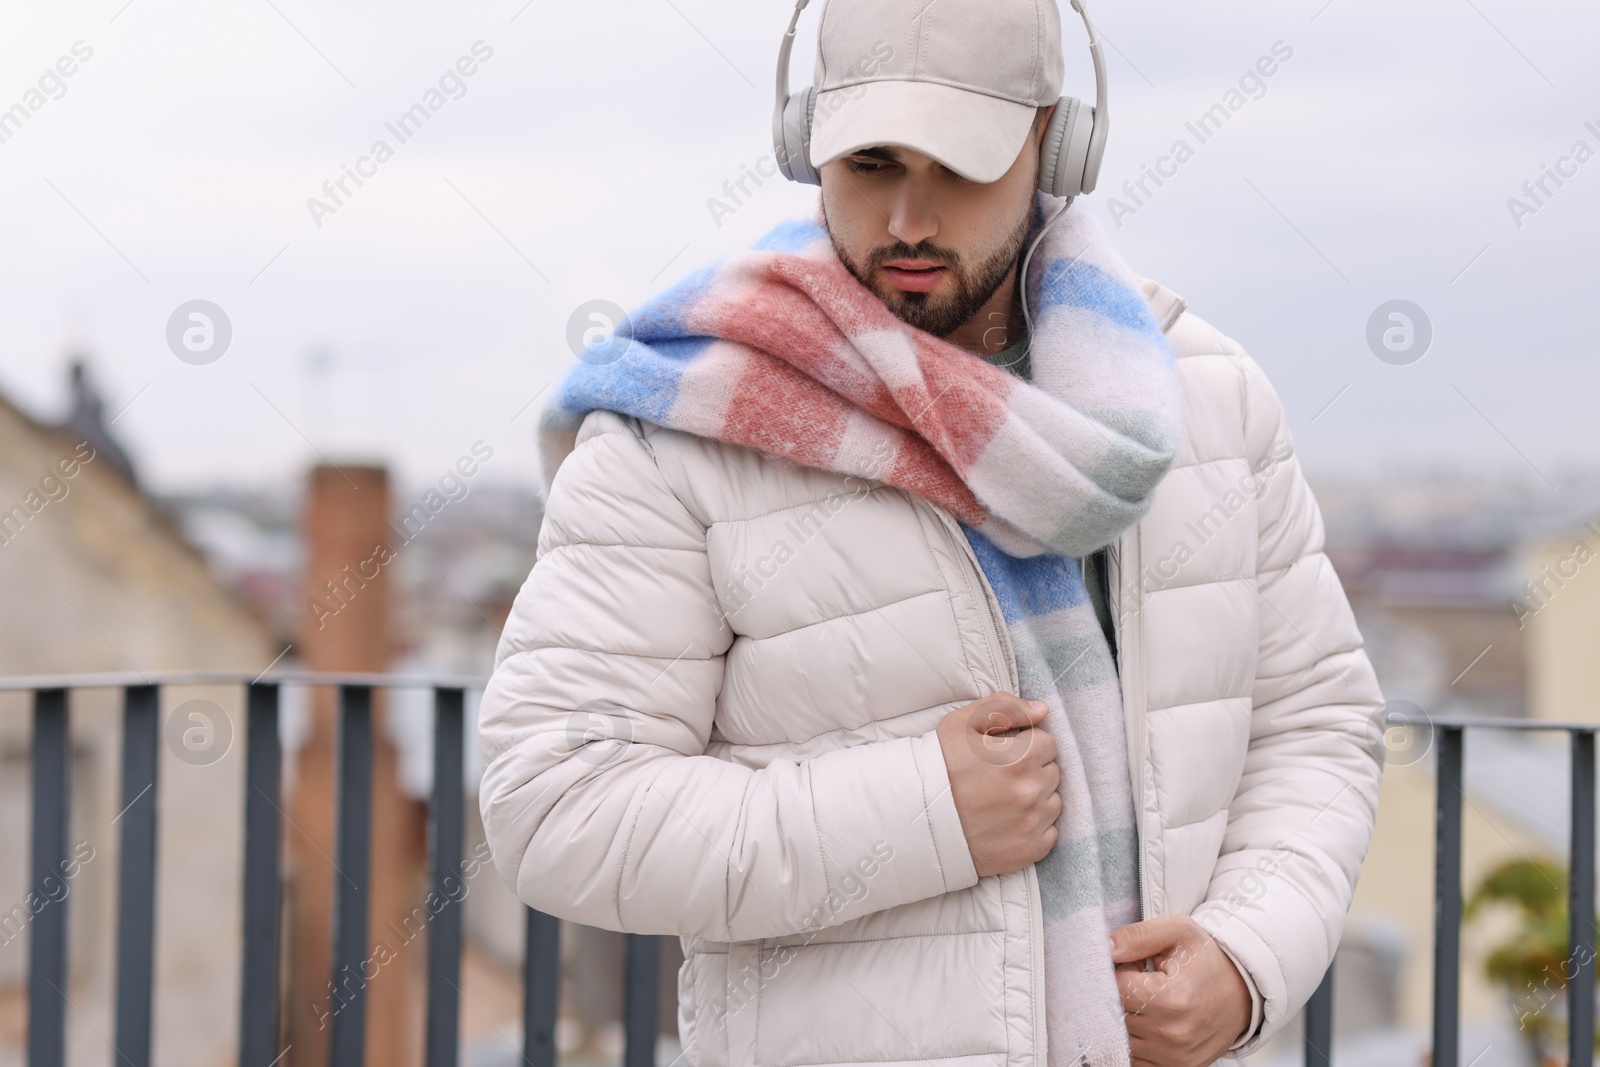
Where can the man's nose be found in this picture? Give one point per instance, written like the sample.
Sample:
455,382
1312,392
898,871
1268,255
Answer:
911,216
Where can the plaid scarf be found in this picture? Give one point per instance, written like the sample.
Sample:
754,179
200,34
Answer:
781,349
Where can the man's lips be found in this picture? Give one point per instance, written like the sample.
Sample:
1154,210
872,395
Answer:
914,275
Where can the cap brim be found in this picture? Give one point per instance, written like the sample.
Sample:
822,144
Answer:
977,136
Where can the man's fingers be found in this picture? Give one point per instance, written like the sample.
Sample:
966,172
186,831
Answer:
1044,747
1185,1012
1002,730
1139,988
1052,773
1145,1052
1139,941
1141,1037
1002,715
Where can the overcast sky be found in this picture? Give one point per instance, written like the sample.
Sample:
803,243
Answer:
576,163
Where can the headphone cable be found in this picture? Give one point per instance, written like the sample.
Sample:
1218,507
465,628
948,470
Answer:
1023,280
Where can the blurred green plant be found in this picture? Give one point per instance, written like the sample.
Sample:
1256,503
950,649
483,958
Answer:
1533,963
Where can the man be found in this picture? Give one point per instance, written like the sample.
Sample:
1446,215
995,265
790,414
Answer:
956,691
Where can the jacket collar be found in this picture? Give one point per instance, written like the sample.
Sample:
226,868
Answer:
1164,303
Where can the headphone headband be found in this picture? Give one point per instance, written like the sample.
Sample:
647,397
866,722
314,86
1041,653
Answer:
781,104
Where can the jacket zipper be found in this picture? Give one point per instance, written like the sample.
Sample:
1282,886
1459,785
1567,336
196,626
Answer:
980,588
1041,1050
1130,653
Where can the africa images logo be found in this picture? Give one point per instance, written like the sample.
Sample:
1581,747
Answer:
1252,84
451,85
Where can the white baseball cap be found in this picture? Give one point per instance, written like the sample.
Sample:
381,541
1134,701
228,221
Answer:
957,80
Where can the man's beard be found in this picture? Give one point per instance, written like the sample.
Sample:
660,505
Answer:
940,315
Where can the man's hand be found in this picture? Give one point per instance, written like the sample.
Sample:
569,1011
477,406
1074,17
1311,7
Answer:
1003,779
1192,1007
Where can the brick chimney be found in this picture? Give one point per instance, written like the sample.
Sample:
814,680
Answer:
344,625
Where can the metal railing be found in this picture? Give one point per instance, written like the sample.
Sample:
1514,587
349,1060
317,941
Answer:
259,1017
1449,737
1449,740
259,1014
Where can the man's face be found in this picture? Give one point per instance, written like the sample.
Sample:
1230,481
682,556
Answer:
933,246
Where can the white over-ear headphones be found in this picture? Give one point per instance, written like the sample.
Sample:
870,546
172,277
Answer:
1069,157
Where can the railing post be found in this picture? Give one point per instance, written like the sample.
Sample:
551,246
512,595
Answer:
136,878
258,986
1580,990
1319,1023
347,1042
445,827
640,999
47,942
541,976
1447,902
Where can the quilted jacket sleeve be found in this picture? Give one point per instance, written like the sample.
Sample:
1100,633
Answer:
598,802
1303,815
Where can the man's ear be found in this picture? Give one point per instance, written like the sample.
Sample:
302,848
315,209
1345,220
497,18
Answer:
1040,123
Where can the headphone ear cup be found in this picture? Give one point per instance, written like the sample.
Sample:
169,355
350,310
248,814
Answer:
1064,153
1095,150
792,141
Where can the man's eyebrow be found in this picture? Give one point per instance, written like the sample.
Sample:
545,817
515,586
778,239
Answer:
888,155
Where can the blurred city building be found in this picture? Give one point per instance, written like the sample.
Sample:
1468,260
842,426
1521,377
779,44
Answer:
95,576
117,580
1475,599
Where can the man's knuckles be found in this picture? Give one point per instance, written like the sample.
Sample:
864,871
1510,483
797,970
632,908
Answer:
1181,1001
1138,990
1029,791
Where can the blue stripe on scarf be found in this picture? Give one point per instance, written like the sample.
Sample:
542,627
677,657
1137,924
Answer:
1028,586
1075,283
643,382
663,315
791,236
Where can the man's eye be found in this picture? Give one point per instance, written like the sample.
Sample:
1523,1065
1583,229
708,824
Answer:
865,166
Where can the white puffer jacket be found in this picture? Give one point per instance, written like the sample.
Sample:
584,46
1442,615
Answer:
713,715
